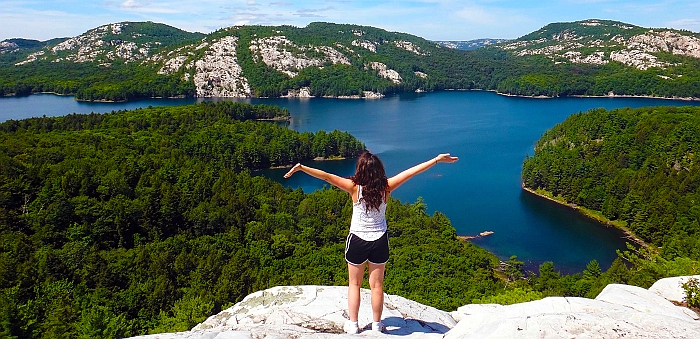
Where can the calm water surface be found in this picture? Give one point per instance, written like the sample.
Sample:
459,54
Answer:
490,133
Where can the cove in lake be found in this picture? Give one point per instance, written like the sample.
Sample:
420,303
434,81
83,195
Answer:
492,134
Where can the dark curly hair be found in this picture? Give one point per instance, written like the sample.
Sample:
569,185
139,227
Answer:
370,174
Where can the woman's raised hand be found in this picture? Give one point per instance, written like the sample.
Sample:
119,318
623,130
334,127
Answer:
446,157
294,169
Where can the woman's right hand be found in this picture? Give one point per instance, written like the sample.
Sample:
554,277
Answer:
294,169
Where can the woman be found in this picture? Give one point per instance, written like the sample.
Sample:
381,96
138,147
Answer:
368,243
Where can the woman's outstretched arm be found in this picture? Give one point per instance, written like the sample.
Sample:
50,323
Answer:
399,179
344,184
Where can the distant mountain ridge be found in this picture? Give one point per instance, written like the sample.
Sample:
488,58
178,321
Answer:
129,60
603,41
126,41
470,45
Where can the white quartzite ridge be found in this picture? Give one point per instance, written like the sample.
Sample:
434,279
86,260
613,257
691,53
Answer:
283,55
218,74
319,312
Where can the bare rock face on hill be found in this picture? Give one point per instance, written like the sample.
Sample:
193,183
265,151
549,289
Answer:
218,73
292,312
8,47
600,42
118,42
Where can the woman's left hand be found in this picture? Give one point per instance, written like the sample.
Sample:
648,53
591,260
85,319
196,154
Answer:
294,169
446,157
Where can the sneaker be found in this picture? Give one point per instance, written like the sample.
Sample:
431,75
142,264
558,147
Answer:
350,327
378,326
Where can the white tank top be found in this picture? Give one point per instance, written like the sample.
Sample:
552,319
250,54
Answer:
370,224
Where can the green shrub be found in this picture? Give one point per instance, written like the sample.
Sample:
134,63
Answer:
692,292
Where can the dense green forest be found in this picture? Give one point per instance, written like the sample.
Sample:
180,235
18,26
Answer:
430,68
146,221
545,79
638,169
636,166
149,220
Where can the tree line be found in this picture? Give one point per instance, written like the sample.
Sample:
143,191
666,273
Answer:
636,166
149,220
488,68
146,221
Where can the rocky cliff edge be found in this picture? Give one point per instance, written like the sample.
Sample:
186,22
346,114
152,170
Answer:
315,312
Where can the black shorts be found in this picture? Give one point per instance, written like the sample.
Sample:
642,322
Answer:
358,251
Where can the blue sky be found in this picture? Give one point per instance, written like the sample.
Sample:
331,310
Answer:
431,19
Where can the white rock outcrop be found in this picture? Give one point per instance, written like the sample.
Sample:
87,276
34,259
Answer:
315,312
638,59
319,312
90,46
420,74
672,288
304,92
364,95
173,65
384,72
521,44
8,47
218,73
620,311
31,58
590,23
634,51
366,44
372,95
409,46
285,56
666,41
596,58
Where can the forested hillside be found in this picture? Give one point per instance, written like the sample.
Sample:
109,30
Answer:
603,57
637,166
104,58
125,61
114,225
145,221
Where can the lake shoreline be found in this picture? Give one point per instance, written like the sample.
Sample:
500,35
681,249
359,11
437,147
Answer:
607,222
383,96
491,134
314,159
614,96
281,118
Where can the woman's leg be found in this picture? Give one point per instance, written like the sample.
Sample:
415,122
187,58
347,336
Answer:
376,283
355,275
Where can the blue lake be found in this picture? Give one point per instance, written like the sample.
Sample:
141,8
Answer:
490,133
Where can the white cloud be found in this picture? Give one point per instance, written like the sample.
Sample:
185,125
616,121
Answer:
477,15
649,8
309,10
47,24
130,4
689,24
133,6
312,12
586,2
156,10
